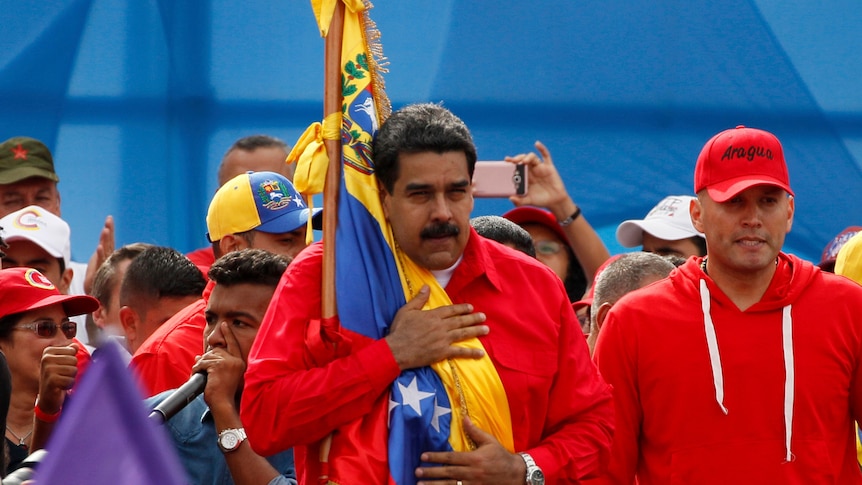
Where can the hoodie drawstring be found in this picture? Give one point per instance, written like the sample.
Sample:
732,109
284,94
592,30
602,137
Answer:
712,344
789,379
787,348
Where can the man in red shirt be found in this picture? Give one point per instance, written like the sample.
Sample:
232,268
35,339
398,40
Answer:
742,366
299,390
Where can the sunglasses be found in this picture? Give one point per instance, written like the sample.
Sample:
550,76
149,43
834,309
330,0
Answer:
547,247
48,328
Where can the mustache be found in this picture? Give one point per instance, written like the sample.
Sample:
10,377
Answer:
440,230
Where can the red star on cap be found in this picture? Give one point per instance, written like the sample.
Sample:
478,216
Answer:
20,152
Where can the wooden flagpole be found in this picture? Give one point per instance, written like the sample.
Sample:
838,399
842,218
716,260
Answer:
332,100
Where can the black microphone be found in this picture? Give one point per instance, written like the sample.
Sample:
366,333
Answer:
180,398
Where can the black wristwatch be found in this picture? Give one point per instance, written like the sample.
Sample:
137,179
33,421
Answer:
534,473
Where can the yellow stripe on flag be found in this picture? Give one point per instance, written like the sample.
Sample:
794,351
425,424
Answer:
481,389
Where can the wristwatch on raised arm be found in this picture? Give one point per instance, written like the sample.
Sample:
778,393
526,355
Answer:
534,473
230,439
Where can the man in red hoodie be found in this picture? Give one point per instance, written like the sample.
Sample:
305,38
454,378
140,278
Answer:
743,366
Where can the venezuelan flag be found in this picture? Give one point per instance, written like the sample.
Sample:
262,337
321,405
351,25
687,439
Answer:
373,280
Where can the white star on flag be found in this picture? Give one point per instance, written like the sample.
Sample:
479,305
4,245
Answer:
438,412
392,405
412,396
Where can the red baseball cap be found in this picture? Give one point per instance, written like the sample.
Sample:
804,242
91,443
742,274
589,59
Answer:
737,159
534,215
26,289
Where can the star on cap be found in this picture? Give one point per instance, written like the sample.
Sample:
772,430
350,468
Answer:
20,152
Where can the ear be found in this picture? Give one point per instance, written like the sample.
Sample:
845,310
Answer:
604,308
791,209
231,242
385,199
99,317
65,281
129,321
695,210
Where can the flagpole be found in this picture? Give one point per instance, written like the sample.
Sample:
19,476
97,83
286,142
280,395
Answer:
332,99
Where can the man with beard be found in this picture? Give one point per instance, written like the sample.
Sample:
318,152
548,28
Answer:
547,411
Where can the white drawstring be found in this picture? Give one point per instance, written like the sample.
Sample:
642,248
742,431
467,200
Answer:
789,372
712,344
789,379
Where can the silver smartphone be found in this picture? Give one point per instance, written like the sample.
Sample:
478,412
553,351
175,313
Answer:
499,179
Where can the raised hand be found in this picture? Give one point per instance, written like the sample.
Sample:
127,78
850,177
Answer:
225,367
545,186
58,369
103,250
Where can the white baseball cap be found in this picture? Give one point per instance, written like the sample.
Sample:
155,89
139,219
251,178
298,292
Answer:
669,220
41,227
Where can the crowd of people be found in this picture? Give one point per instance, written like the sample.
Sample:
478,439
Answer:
707,356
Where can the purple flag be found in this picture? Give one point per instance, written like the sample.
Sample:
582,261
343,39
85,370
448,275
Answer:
104,436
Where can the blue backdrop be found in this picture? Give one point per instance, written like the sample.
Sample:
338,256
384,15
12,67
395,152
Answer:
139,99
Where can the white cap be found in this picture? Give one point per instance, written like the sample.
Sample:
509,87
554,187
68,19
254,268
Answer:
39,226
669,220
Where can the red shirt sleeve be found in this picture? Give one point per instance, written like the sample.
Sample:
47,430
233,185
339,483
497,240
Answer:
579,425
298,386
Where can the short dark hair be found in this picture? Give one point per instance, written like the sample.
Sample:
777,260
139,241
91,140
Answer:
504,231
249,144
160,272
106,276
419,128
254,266
253,142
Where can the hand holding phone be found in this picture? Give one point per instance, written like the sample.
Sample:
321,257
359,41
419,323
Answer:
499,179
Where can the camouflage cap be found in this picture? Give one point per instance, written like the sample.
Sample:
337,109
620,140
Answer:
22,157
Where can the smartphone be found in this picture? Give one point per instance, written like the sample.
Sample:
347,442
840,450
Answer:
499,179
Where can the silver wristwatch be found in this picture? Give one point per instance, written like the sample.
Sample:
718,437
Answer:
534,473
230,439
